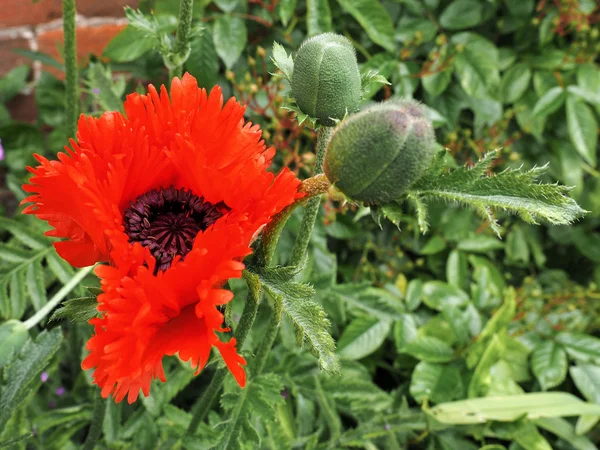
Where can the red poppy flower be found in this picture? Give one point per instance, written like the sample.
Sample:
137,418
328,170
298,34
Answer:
171,196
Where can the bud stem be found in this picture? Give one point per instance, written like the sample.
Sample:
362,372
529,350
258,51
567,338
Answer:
71,78
97,421
312,206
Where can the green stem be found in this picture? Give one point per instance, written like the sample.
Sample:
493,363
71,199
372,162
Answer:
204,404
97,421
71,97
312,206
267,343
56,299
181,51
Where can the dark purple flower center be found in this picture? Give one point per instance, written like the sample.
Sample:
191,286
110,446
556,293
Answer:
167,220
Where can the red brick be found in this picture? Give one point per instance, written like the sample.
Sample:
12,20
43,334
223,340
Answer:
9,58
25,12
90,40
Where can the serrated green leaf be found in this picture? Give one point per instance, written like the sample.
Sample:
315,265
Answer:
476,65
77,310
102,87
283,61
515,82
514,191
203,62
24,371
309,318
462,14
13,335
362,336
549,102
437,295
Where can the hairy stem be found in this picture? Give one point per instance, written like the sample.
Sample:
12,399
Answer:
312,206
204,404
182,40
267,343
56,299
71,96
97,420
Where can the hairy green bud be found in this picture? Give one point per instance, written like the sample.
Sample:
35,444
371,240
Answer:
326,80
375,155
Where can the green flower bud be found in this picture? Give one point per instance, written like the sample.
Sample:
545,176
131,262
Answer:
375,155
326,80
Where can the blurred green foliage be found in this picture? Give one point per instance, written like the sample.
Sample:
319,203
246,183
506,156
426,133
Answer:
418,319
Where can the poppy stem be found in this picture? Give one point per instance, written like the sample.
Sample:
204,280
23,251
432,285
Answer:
204,404
97,421
312,207
56,299
71,79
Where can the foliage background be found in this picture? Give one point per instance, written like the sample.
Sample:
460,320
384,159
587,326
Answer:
407,311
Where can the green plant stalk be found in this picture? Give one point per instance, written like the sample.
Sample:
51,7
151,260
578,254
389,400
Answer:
312,187
182,48
56,298
204,404
267,343
71,81
312,206
97,421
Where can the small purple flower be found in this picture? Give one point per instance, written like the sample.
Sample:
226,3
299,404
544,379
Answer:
60,391
51,405
96,91
1,151
44,377
285,394
387,427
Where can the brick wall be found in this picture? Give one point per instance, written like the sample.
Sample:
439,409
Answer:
38,26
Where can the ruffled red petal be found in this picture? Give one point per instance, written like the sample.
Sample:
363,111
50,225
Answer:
191,140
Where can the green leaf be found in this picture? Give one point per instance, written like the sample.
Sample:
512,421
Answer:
512,190
257,400
433,246
374,19
362,336
437,82
436,382
203,62
286,10
36,285
13,82
62,417
564,430
309,319
41,57
457,269
583,129
498,323
480,243
362,297
405,331
13,335
581,347
587,379
439,295
515,82
585,424
356,395
130,44
429,349
549,102
230,37
476,65
77,310
318,17
102,87
481,380
283,61
511,407
462,14
549,364
21,375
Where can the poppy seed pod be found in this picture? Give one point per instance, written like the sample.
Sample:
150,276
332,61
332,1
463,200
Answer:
375,155
326,80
